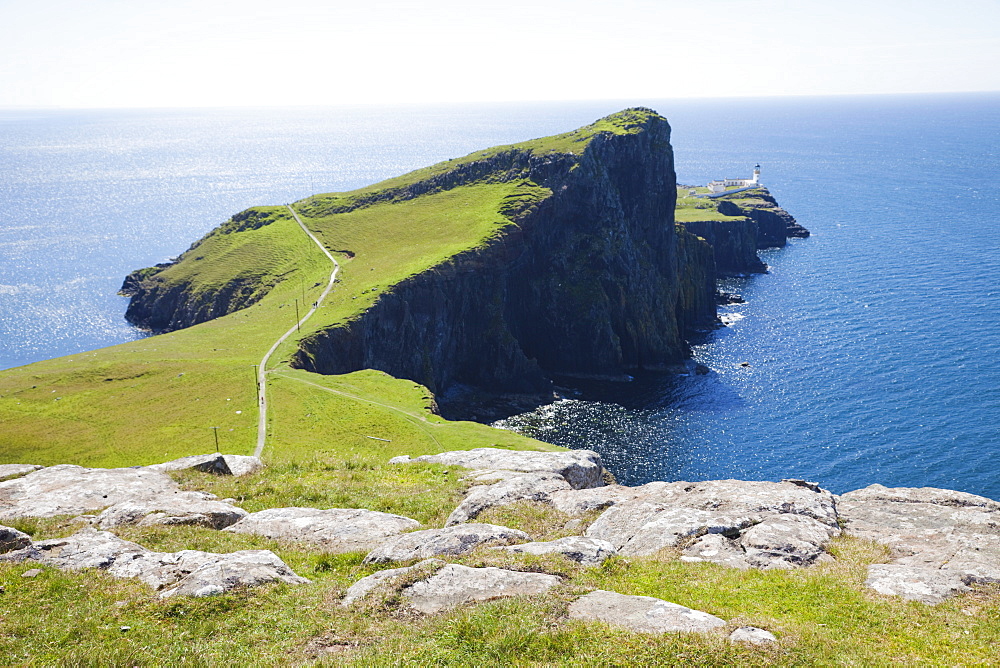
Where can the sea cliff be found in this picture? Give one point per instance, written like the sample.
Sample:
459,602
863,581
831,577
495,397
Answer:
594,280
585,274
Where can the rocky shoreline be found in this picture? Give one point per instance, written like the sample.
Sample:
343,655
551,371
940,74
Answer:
940,543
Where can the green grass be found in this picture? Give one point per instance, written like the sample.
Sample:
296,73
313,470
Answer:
329,439
821,615
691,208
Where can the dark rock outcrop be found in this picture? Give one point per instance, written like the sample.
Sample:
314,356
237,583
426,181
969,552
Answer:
594,281
734,243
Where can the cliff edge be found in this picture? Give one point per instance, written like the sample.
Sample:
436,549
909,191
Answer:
578,269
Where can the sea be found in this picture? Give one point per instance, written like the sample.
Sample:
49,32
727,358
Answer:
869,352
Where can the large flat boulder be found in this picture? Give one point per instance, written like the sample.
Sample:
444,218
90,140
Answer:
208,574
87,548
332,530
219,464
9,471
188,572
667,515
933,531
512,488
580,468
73,490
383,579
927,585
456,585
448,541
576,548
643,614
185,508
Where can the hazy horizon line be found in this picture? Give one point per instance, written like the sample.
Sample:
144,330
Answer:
456,103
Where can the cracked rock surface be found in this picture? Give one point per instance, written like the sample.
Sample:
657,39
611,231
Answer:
644,614
448,541
333,530
455,585
188,572
580,468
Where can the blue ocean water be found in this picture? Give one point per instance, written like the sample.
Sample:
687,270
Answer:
872,346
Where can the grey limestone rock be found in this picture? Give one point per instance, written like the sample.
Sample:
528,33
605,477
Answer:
643,614
87,548
576,548
74,490
455,585
786,541
8,471
927,585
213,574
454,540
190,508
333,530
662,515
580,468
752,636
511,489
370,583
187,572
11,539
717,549
582,501
219,464
929,528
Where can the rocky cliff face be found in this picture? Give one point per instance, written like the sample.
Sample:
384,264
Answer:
775,225
162,303
595,281
734,243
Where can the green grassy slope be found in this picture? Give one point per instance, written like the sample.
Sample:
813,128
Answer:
158,398
329,439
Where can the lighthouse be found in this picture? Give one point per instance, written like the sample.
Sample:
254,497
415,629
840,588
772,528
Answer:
756,174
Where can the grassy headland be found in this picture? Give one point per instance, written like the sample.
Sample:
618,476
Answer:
329,439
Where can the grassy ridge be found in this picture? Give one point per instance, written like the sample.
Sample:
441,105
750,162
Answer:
330,436
158,398
141,402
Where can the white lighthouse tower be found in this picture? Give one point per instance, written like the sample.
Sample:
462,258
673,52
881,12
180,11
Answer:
756,174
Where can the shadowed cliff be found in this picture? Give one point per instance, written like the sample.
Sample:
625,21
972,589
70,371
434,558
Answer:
592,280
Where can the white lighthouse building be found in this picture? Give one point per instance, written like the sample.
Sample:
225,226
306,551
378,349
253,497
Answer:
720,185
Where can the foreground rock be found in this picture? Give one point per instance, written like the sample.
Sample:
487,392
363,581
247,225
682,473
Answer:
12,539
188,572
927,585
334,530
219,464
643,614
8,471
187,508
511,488
576,548
385,579
580,468
448,541
456,585
760,524
74,490
446,586
751,635
928,527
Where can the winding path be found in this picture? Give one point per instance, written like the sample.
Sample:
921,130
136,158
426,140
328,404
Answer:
262,367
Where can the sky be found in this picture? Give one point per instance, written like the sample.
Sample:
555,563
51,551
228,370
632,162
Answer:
209,53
